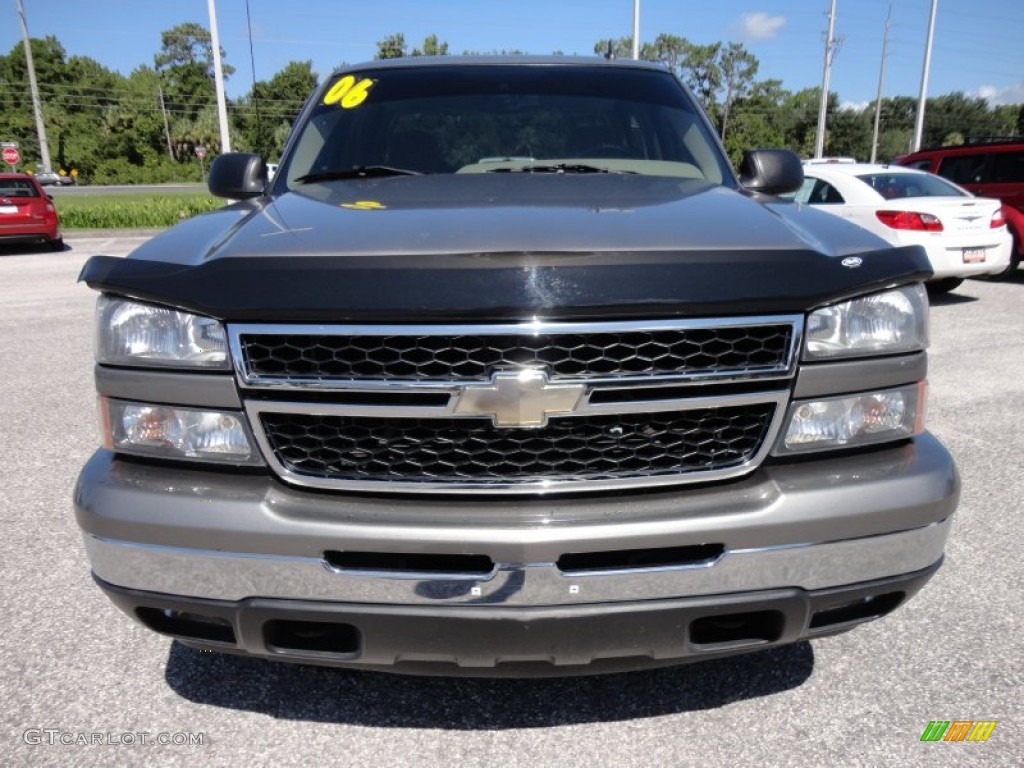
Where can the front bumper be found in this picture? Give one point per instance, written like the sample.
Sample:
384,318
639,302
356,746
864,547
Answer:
789,533
520,642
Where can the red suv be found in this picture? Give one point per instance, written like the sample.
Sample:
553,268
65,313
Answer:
988,169
27,214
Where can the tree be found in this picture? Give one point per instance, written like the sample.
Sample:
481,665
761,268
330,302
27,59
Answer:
16,113
702,73
958,113
394,47
431,47
264,117
801,124
738,67
670,50
391,47
758,119
185,63
850,130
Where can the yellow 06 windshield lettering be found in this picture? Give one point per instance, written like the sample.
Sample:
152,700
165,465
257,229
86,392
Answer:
349,92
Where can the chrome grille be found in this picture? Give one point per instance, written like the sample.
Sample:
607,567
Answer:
516,408
405,355
584,448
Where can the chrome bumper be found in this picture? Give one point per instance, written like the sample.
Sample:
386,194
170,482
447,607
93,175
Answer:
235,576
807,524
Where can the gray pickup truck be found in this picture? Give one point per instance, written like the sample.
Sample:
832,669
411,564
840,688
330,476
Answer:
506,372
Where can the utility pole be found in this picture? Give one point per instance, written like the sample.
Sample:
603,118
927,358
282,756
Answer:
878,97
218,79
919,122
636,29
167,126
37,107
831,45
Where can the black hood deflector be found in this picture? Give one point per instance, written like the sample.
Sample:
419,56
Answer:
505,286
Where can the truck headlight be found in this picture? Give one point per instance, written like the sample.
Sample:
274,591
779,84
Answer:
132,333
167,432
853,420
887,323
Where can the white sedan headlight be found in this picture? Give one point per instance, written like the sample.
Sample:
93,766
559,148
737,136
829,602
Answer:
887,323
132,333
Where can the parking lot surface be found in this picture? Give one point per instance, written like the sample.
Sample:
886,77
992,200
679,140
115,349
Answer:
73,666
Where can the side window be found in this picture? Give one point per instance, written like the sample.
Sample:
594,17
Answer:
803,195
964,169
1009,167
921,165
824,193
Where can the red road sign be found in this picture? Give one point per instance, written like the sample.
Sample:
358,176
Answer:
11,156
200,152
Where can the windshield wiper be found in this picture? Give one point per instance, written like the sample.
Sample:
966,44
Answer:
557,168
357,172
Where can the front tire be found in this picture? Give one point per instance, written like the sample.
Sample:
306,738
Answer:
943,285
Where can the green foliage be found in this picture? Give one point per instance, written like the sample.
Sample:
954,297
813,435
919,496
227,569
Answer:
394,47
119,212
431,47
391,47
185,65
738,67
271,107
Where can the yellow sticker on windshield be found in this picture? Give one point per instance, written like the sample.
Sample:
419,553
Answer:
349,93
364,205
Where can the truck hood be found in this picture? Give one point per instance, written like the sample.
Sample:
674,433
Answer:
502,246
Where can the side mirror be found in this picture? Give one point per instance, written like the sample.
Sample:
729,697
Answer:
771,171
237,175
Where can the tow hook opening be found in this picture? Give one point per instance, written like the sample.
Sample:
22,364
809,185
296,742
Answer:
282,636
735,629
863,609
194,626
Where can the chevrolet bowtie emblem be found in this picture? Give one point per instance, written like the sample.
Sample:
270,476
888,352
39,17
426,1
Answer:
518,398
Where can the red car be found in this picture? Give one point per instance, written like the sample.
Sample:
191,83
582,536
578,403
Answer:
993,168
27,214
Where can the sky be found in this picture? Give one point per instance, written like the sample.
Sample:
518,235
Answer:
979,44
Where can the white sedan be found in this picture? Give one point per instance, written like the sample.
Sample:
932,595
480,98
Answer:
965,236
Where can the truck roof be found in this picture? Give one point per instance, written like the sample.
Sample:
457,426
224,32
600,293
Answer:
503,60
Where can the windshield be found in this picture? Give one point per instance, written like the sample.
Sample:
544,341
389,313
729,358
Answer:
894,185
499,118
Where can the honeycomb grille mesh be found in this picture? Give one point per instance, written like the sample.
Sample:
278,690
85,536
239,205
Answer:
475,357
474,451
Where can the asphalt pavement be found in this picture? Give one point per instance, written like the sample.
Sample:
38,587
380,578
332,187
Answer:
73,666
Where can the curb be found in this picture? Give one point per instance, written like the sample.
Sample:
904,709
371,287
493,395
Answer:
79,234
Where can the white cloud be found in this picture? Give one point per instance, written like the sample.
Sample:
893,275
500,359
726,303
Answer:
995,95
759,25
854,106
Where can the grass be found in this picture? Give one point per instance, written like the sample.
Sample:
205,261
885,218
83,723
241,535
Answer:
131,211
